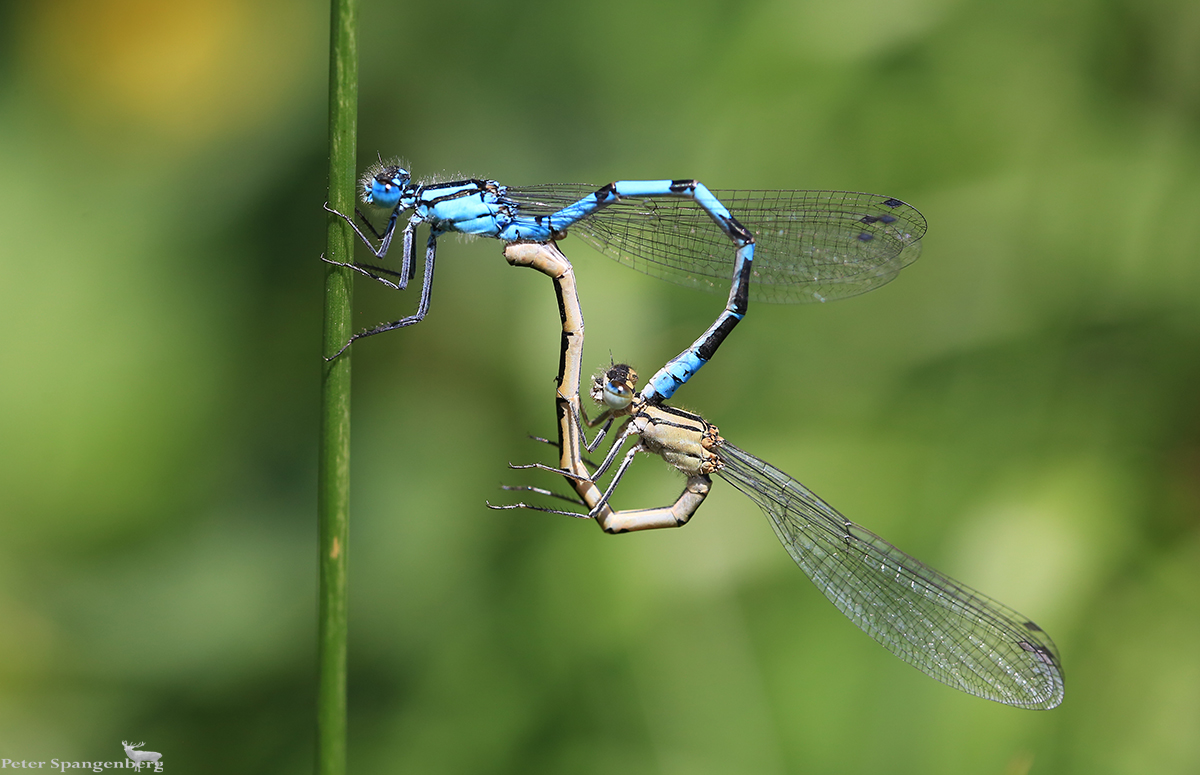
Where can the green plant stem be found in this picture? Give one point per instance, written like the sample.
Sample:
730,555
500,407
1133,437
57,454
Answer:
333,483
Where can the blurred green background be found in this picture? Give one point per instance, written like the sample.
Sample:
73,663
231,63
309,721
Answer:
1019,408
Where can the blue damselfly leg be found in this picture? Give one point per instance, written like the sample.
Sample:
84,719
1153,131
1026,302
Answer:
783,246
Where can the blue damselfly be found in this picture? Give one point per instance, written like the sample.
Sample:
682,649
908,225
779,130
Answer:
782,246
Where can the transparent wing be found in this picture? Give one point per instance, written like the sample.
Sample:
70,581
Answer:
943,628
810,245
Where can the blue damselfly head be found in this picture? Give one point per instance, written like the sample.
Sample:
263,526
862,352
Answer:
384,184
615,387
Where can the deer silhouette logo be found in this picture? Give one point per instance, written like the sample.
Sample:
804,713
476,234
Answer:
140,756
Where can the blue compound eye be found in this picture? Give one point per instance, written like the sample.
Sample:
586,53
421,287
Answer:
617,395
385,188
615,389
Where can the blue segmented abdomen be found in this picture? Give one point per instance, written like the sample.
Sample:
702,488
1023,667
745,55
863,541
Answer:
811,245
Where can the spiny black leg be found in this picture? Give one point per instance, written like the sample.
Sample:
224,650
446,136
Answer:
422,308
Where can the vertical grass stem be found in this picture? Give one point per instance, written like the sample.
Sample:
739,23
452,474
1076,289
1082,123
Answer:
333,486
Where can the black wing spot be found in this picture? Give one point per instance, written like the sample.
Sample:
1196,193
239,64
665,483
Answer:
1042,653
865,237
893,202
